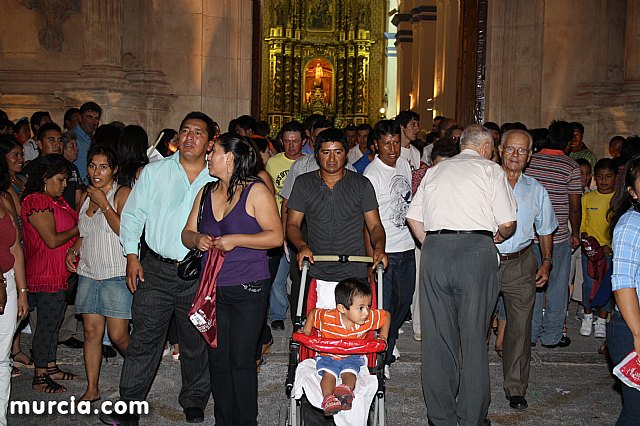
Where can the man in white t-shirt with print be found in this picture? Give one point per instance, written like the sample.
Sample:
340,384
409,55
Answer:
390,175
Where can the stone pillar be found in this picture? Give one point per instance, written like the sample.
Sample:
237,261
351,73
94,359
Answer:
632,41
424,47
446,57
404,49
102,39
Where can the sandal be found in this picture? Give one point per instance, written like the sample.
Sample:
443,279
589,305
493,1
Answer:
330,405
15,372
499,352
345,396
22,364
50,385
65,374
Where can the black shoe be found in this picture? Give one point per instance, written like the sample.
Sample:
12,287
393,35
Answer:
72,343
563,343
486,422
518,402
108,352
114,419
194,415
277,325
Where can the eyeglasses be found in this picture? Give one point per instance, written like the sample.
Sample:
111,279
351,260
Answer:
511,150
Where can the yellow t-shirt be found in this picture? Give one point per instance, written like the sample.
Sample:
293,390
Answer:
278,167
595,207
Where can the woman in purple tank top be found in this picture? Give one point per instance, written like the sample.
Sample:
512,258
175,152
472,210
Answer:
240,217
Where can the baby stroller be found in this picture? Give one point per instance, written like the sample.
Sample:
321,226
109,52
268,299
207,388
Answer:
303,383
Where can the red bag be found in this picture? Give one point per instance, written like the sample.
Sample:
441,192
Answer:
203,311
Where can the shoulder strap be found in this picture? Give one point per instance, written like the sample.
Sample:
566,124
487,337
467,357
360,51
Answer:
205,194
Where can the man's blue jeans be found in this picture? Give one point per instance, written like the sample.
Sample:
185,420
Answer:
399,282
278,300
553,297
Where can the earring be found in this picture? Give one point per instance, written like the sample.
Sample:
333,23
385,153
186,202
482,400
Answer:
45,187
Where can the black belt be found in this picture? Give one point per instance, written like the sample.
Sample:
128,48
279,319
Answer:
515,255
452,231
162,259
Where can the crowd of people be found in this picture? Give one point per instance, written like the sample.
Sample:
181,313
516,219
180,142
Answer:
477,227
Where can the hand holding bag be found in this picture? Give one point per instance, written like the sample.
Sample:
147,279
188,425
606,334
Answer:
189,267
203,311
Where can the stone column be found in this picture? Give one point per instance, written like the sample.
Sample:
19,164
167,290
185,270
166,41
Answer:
404,43
424,47
444,90
632,41
102,40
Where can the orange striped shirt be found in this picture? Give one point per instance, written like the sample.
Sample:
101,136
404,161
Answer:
329,323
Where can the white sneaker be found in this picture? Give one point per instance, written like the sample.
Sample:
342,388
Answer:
587,323
387,373
600,328
417,337
400,331
396,352
167,350
27,329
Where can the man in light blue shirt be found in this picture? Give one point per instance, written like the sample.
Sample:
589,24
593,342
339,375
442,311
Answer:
160,204
90,113
519,274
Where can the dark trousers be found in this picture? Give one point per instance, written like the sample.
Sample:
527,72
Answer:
518,287
458,291
51,307
232,365
620,344
399,282
156,299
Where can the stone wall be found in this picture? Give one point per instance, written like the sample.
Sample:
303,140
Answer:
147,62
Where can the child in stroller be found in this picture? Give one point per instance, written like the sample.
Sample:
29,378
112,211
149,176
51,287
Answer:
352,318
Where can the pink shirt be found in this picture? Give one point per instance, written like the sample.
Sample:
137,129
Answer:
45,267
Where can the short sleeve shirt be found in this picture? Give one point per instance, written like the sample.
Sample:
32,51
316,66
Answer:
335,220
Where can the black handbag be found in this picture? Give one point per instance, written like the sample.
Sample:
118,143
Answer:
189,268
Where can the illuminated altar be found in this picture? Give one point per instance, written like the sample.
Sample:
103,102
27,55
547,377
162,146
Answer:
322,56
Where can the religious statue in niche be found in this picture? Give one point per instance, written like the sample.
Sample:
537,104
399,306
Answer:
318,83
319,15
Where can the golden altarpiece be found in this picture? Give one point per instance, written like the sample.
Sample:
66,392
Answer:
322,56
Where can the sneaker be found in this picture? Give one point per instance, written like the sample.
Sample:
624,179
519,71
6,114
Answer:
600,331
387,372
167,350
27,329
400,331
417,337
176,355
396,352
579,313
587,323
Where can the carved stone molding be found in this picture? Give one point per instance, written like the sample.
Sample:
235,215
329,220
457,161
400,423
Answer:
55,12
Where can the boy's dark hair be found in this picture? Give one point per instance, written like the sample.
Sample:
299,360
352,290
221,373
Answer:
36,118
444,149
49,125
605,164
348,289
246,122
583,162
404,117
560,133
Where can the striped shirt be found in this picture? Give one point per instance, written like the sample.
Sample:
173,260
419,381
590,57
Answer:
329,323
101,255
626,252
586,154
560,175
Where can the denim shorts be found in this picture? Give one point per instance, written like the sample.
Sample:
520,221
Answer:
350,364
110,298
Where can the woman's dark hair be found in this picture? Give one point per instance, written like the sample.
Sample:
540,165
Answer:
244,161
7,143
163,144
5,177
49,166
107,135
109,153
132,153
622,201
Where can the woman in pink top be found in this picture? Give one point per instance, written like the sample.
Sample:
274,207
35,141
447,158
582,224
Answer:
13,288
50,228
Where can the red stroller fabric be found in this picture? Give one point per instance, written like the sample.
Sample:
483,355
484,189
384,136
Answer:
203,311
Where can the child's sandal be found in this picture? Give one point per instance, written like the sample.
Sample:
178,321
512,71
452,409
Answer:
50,385
345,396
331,405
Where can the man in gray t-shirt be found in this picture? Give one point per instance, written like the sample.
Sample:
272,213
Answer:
337,204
